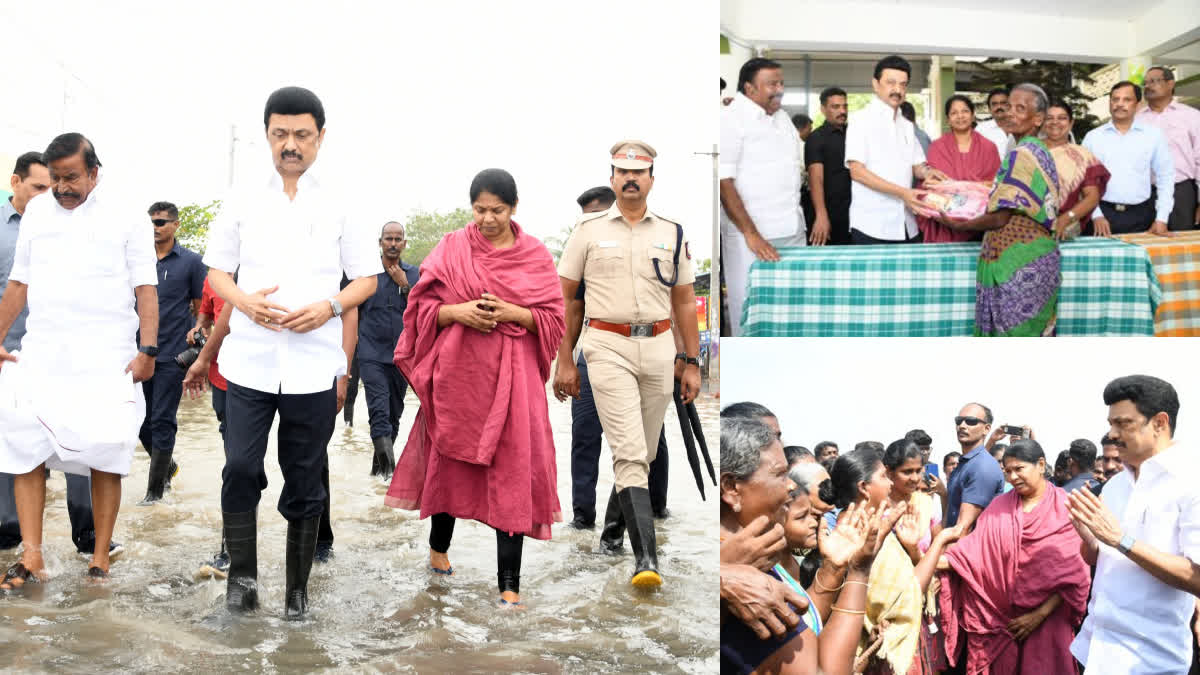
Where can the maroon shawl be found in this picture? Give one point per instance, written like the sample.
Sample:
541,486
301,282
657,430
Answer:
1008,566
978,164
483,398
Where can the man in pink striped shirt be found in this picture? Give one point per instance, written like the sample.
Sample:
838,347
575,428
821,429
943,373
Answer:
1181,125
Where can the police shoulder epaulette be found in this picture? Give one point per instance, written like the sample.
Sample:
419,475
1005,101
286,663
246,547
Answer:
585,217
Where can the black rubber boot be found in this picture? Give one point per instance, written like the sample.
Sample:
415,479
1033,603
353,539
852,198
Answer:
301,545
384,459
612,537
172,471
635,504
241,542
160,467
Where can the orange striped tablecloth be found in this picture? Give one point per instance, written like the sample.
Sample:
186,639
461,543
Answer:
1176,262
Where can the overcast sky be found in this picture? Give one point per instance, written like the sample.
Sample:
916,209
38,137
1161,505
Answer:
419,97
851,390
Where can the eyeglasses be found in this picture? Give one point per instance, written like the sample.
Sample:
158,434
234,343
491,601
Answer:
159,222
971,421
1154,81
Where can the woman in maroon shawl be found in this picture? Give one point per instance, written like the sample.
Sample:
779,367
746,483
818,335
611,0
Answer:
1018,586
480,331
962,154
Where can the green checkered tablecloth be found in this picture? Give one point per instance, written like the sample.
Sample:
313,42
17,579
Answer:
1108,288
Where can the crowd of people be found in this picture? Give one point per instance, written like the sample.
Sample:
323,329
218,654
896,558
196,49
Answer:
861,178
290,297
878,561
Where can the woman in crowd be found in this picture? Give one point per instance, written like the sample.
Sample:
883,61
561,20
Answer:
485,319
895,596
1019,587
755,484
1019,273
963,154
1081,177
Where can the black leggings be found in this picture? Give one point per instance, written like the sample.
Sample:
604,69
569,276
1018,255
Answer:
508,550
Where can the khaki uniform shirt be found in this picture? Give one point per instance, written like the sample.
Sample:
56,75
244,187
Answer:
616,261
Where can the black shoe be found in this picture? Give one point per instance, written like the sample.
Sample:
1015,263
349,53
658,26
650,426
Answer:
171,473
301,549
635,504
241,541
581,523
384,463
662,514
324,553
612,537
160,466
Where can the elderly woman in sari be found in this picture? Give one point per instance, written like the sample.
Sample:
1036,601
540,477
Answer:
1081,176
1018,586
895,597
962,154
1019,272
755,486
482,325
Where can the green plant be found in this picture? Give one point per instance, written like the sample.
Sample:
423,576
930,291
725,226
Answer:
194,221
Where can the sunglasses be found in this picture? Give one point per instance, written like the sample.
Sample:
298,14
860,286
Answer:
159,222
971,421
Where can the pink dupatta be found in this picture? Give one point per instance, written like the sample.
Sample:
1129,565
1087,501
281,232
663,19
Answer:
1008,566
979,164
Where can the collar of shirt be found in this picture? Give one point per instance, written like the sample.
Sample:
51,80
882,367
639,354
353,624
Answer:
176,250
614,213
8,212
748,108
1136,125
877,106
308,180
972,454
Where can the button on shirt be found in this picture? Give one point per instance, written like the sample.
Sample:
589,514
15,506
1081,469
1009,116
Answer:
1181,125
977,480
180,280
10,227
81,315
883,141
381,316
763,155
1132,157
1136,624
618,262
301,245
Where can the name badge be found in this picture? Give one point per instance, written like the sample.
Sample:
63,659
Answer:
607,244
665,247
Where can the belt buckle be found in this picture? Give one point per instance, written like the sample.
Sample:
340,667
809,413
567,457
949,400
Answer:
1120,208
641,330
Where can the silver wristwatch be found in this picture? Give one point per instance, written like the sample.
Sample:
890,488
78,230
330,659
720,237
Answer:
1126,544
337,306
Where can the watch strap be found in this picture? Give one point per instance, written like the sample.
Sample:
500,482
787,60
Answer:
1126,544
149,350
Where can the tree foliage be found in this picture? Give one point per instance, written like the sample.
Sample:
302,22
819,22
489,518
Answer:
194,220
424,229
1059,80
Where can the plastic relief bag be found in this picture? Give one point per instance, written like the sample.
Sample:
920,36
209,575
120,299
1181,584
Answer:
959,199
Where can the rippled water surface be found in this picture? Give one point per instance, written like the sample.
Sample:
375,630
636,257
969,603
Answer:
375,607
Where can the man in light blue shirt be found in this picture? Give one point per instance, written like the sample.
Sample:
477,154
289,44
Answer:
1135,153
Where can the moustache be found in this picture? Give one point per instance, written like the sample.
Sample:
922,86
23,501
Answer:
289,154
632,185
60,195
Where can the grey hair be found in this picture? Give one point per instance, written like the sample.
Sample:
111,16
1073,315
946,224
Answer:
1041,102
806,476
742,443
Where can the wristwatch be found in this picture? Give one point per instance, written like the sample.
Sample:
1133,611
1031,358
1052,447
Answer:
1126,544
681,356
1074,218
692,361
337,306
149,350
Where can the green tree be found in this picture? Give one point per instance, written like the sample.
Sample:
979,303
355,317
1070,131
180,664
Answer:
1059,80
424,229
704,266
558,243
194,220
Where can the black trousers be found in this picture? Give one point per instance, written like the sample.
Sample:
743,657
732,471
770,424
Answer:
305,426
386,387
351,389
218,403
508,546
1127,219
857,237
1183,216
586,433
162,403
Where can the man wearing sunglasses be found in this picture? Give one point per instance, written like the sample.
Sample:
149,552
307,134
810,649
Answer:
977,479
180,287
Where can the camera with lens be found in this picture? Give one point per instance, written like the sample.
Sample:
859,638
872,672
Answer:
188,356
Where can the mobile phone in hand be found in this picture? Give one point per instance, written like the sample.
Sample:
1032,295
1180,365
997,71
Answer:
1013,431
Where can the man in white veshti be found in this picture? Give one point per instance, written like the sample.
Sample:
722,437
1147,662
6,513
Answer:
69,398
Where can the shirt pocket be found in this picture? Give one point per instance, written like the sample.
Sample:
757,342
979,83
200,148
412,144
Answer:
1160,529
105,255
606,262
660,259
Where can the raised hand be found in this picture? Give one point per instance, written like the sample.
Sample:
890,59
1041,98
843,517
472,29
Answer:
839,544
907,530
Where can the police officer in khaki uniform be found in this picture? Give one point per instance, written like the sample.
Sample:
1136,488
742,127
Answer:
636,266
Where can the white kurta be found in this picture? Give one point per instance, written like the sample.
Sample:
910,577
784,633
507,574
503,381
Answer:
68,401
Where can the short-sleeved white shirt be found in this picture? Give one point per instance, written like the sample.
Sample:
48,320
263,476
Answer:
883,141
301,245
1001,138
1136,624
764,156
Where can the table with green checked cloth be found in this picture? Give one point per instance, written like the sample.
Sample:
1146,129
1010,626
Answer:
1108,288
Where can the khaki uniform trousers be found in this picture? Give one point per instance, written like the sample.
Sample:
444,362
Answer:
632,380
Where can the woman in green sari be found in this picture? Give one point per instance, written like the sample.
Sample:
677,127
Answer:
1018,277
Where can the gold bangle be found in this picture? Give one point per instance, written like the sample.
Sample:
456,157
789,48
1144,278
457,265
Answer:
847,611
821,586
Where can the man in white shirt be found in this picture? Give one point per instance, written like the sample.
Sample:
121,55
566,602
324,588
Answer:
883,156
69,398
997,103
1143,536
291,240
759,171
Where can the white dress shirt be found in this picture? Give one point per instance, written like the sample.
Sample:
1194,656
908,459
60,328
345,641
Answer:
301,245
884,141
1003,140
762,154
1136,624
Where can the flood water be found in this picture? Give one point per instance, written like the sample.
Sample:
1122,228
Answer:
375,607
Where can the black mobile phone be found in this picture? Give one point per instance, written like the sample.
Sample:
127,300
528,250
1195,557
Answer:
1014,431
